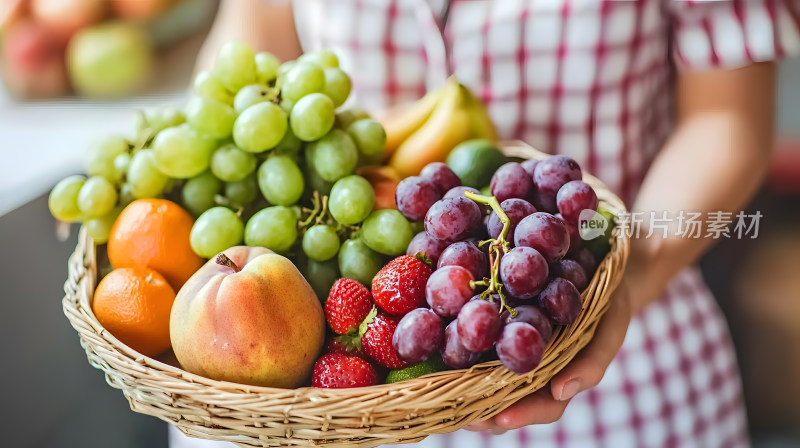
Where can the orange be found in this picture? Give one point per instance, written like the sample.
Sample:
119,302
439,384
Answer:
154,233
134,304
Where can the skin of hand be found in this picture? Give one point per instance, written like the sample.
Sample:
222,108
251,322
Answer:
714,161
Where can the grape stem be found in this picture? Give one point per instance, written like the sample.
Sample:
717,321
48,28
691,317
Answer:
497,247
320,214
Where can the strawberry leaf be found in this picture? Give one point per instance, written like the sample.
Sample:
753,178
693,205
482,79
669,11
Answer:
423,257
367,320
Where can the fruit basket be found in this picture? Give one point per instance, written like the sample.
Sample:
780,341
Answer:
406,411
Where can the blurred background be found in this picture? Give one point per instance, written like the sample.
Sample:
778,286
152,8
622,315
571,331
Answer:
141,52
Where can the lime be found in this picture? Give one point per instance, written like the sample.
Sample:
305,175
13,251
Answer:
474,162
431,365
600,246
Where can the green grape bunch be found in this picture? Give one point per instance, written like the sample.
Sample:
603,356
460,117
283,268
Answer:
264,153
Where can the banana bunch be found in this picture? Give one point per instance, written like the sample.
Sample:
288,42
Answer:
430,128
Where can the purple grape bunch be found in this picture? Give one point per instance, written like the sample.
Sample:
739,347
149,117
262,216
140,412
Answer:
503,297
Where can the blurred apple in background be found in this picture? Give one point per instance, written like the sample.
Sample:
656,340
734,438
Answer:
68,16
109,60
140,9
32,61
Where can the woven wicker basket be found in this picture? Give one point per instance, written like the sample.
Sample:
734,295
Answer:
407,411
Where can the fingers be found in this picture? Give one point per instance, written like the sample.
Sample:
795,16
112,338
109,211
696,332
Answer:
587,368
537,408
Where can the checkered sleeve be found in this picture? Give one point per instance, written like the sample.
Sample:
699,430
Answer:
733,33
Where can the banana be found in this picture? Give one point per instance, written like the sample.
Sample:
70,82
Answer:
401,124
480,120
449,124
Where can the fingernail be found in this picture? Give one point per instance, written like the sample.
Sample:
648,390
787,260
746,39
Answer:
569,390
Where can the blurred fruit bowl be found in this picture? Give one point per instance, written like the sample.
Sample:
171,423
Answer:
99,49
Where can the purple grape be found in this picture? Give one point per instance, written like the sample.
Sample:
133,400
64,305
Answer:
573,198
458,192
448,290
523,272
418,335
431,247
452,219
520,347
496,303
545,233
529,165
441,175
414,196
454,354
575,240
560,301
543,202
553,172
572,271
532,315
511,181
515,209
466,255
587,261
479,325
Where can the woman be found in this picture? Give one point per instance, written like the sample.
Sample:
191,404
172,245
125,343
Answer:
669,102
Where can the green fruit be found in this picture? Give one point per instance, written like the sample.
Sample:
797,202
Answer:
109,60
601,245
475,161
432,365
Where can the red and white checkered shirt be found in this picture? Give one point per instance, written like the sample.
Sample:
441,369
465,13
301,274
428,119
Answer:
592,79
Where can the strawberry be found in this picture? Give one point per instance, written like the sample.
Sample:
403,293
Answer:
337,371
348,304
399,287
336,345
377,341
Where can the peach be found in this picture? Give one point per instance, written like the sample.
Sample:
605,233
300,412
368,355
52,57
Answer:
248,316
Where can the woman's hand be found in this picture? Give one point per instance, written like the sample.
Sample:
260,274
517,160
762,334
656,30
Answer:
583,372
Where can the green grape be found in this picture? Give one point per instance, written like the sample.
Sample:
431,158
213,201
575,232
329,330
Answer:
100,228
321,275
210,117
101,154
312,117
301,80
63,200
230,163
418,226
180,152
347,117
235,66
217,229
359,262
121,164
317,183
97,197
284,68
486,191
369,136
280,180
126,194
337,85
166,117
260,127
334,156
267,65
321,242
198,193
289,145
242,192
287,105
207,85
144,177
369,160
323,58
352,199
249,95
273,227
386,231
